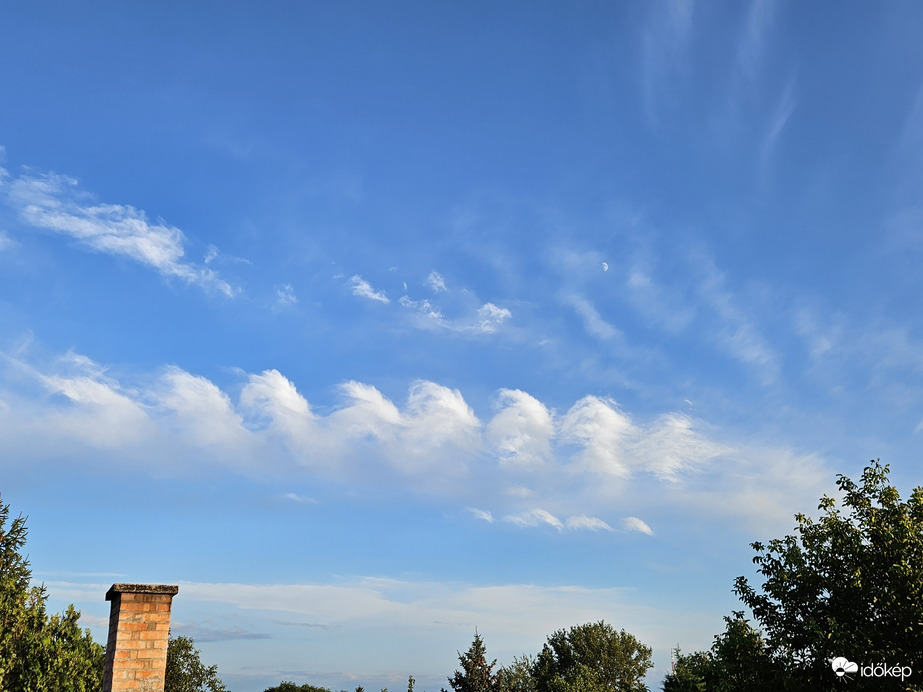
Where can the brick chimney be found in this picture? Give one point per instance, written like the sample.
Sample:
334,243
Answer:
139,628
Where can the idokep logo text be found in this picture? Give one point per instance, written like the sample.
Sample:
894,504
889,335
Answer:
845,669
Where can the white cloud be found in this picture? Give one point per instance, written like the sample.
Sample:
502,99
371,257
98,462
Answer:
300,499
491,317
285,295
55,203
363,289
521,432
435,282
200,410
508,611
605,434
440,416
535,517
736,333
588,523
777,122
270,401
672,446
635,524
525,458
482,514
424,308
93,621
487,319
272,391
519,491
434,435
432,618
593,322
369,413
100,413
759,488
5,241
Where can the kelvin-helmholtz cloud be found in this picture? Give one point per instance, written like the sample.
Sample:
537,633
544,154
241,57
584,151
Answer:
581,469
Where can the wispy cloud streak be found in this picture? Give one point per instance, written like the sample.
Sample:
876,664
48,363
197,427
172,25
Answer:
55,203
363,289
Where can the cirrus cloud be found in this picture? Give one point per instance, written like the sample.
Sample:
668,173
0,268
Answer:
56,203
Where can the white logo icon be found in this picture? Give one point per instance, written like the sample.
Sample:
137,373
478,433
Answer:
842,667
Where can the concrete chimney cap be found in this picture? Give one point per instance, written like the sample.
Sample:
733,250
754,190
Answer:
158,589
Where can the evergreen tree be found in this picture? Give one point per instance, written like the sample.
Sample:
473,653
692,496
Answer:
38,652
476,675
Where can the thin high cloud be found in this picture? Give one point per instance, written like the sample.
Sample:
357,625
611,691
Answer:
481,514
751,46
56,203
363,289
593,322
467,315
526,462
487,319
737,333
700,299
285,295
435,282
665,46
784,108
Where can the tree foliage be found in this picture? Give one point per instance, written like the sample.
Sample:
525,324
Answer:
39,652
738,660
185,671
593,656
285,686
517,677
849,584
476,674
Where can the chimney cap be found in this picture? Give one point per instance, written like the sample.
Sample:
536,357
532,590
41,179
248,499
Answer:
154,589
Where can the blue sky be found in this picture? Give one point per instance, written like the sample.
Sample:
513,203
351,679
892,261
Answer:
372,323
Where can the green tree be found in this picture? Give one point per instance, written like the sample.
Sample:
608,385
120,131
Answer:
517,677
849,584
739,661
38,652
476,675
292,687
14,589
593,656
185,670
691,672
